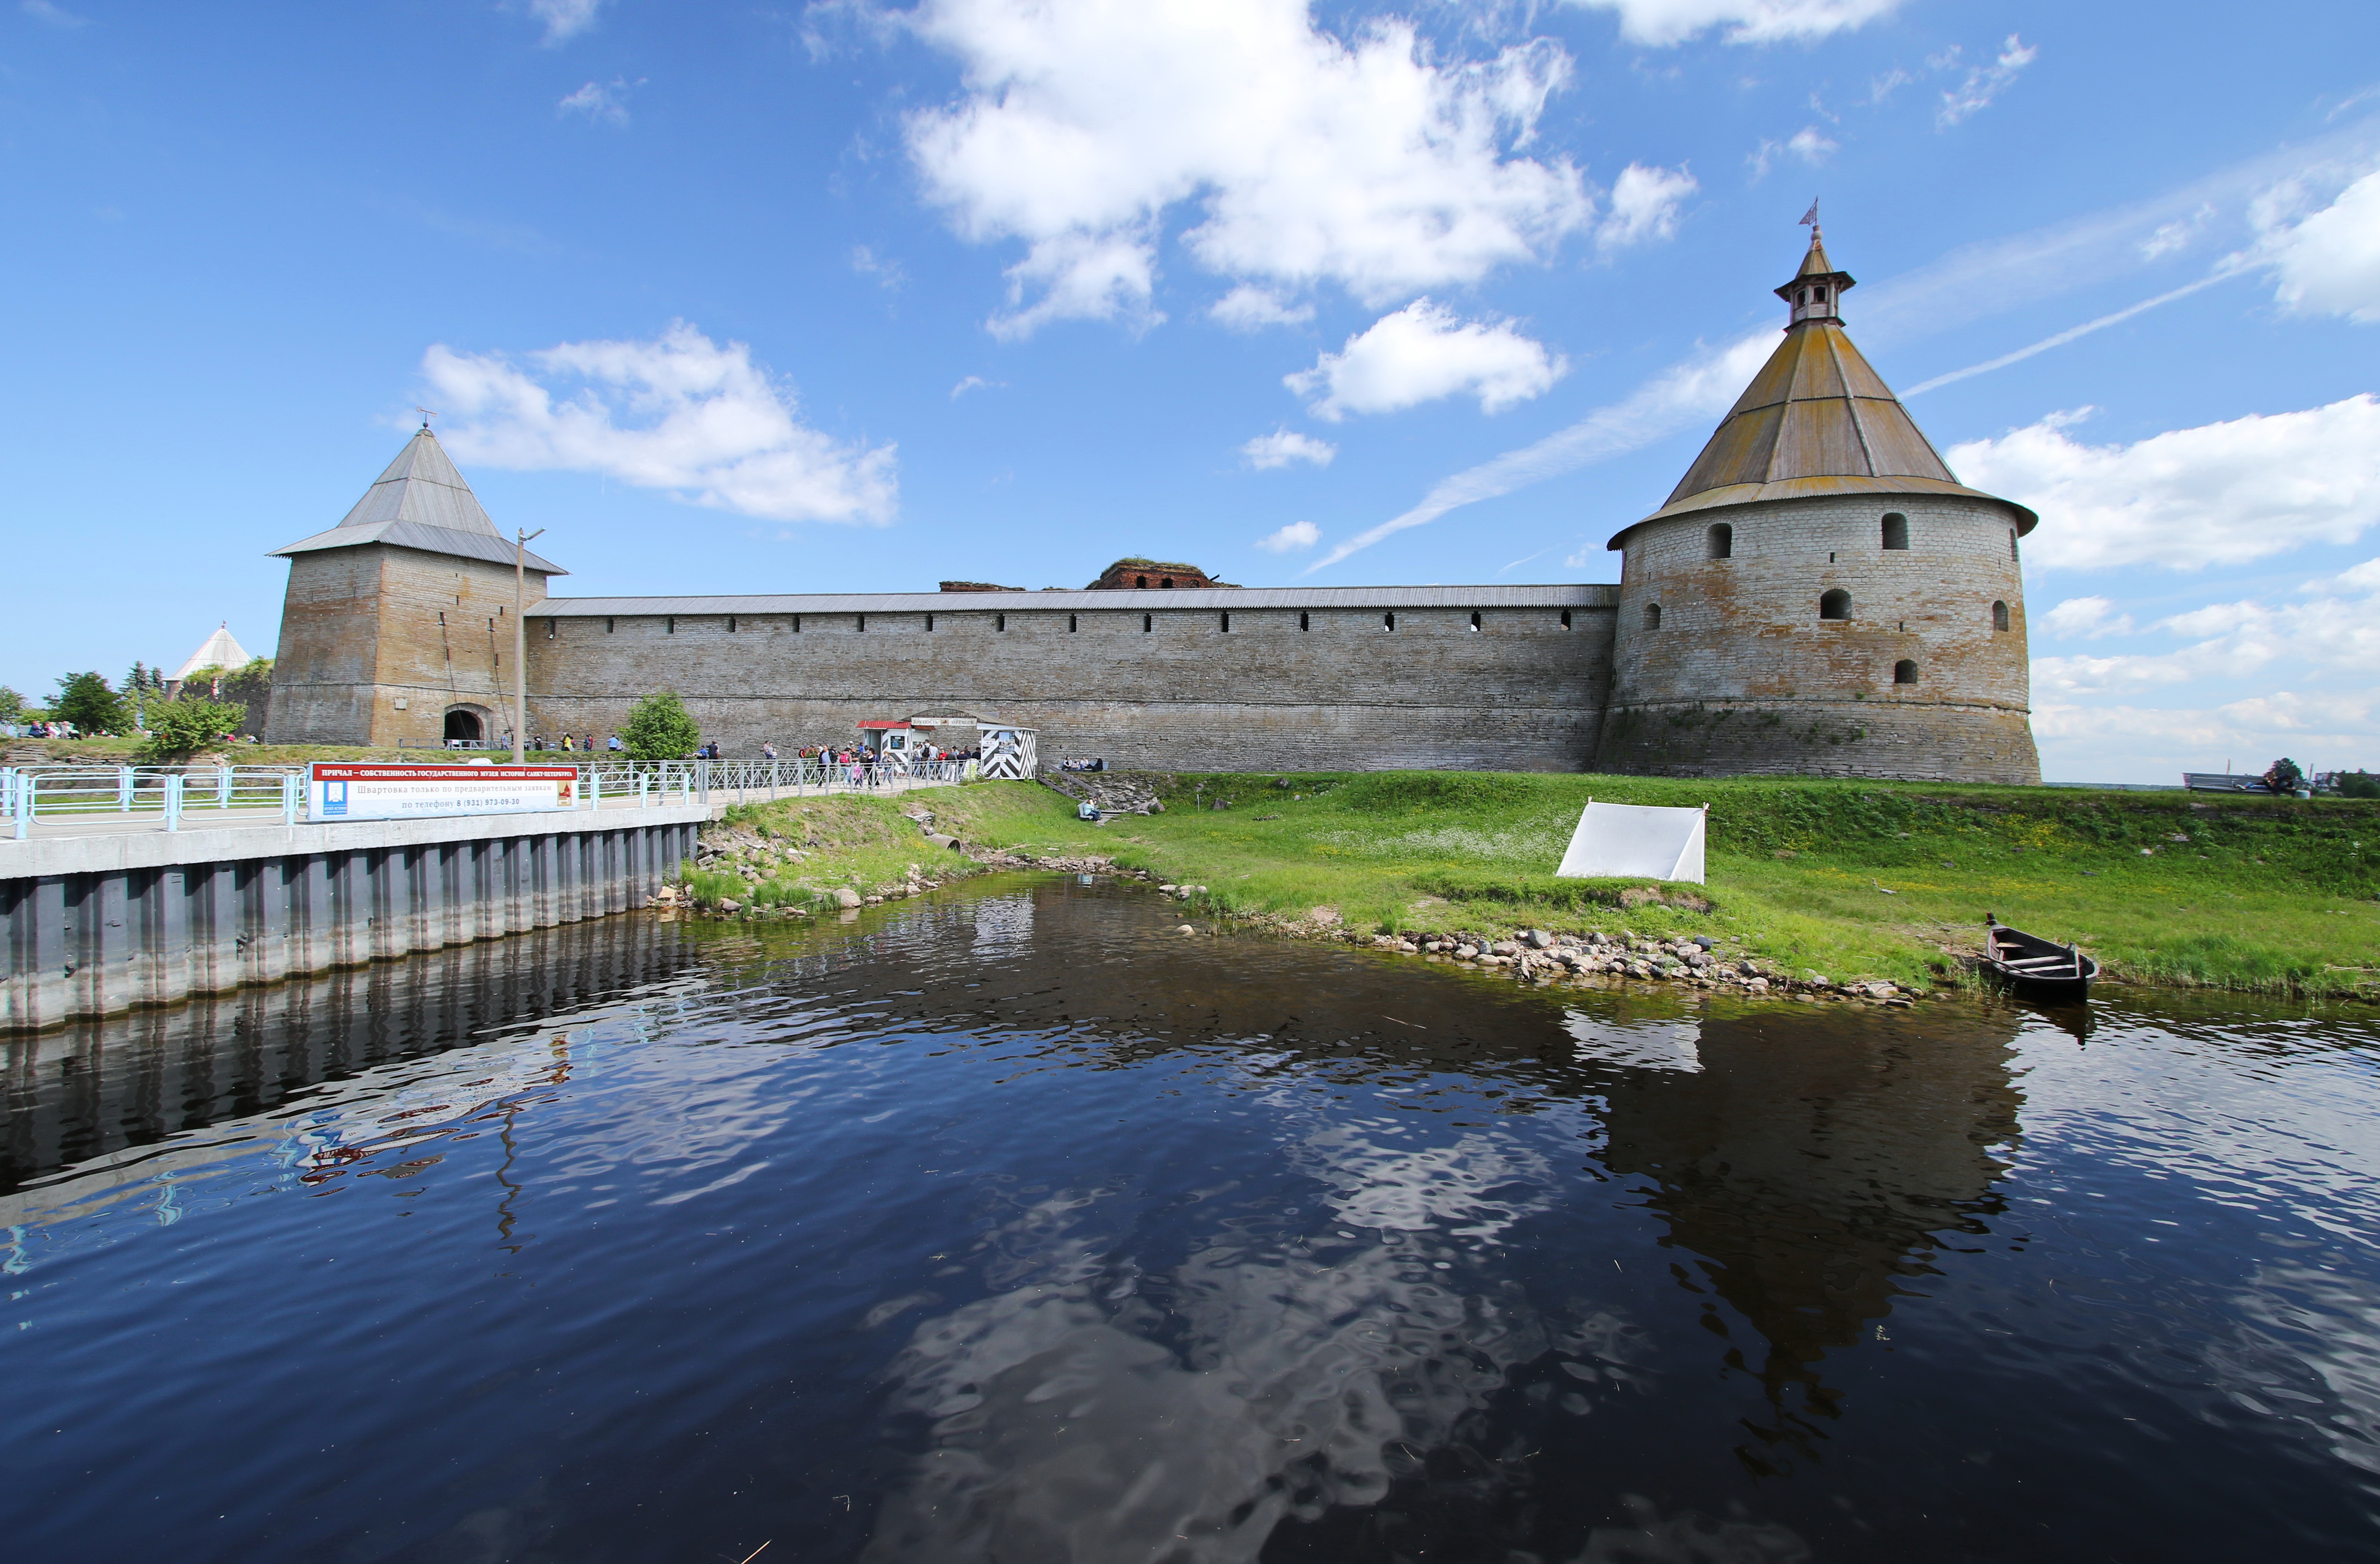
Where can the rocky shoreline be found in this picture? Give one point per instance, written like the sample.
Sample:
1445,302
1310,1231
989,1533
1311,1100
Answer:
1595,958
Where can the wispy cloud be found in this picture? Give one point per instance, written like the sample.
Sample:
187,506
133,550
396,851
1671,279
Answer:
975,382
604,105
1663,23
1984,83
1249,308
565,19
679,413
1283,446
1701,387
1810,144
2060,339
889,273
43,11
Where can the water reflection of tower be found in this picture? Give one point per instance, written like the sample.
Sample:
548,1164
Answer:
1812,1162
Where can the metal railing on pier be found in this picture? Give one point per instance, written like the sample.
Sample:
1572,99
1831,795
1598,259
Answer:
153,798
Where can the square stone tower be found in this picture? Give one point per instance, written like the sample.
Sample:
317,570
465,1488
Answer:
397,626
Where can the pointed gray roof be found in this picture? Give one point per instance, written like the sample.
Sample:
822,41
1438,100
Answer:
421,501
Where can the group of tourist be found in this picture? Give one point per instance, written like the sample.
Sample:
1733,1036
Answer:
1080,764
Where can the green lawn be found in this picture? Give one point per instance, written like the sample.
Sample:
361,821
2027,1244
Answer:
2265,894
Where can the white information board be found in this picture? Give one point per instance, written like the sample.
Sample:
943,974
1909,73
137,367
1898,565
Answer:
341,791
1632,840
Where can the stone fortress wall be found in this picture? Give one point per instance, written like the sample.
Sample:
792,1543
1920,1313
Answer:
1727,664
1496,677
1866,618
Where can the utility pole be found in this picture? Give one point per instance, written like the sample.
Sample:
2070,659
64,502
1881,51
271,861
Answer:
521,639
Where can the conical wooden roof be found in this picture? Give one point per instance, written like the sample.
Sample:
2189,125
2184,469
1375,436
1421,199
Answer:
1816,420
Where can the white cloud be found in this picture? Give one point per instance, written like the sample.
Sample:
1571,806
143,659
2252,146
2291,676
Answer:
608,104
975,382
564,18
1698,388
1809,143
2218,494
1644,206
1283,446
1250,307
1296,535
889,273
1661,23
2330,262
1421,353
1984,83
57,16
679,413
2178,235
2324,634
1304,158
2078,617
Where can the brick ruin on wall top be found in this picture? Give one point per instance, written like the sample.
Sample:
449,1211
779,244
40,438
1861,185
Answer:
1820,595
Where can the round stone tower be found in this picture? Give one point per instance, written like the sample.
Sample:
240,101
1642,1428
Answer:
1821,595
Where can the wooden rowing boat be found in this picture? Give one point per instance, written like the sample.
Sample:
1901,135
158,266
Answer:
2036,969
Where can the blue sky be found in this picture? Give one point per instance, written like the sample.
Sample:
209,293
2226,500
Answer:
851,296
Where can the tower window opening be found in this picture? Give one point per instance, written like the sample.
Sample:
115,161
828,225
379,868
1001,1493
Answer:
610,626
1818,296
1475,620
1140,581
1147,621
730,623
1719,541
1830,556
859,623
1303,624
1999,616
549,628
930,623
1000,622
1652,617
441,616
1166,582
798,623
1389,623
669,625
2013,553
1565,619
1834,605
1073,625
1896,531
1227,624
1904,672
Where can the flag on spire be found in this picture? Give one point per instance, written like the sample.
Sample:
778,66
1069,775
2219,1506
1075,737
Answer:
1809,218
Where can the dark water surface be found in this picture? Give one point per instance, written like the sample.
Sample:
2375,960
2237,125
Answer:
1009,1225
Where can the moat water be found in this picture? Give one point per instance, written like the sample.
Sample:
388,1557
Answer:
1010,1225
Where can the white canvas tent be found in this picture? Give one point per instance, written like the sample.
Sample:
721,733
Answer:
1629,840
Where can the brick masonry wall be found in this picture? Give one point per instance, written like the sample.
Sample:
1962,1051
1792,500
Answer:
1743,675
363,628
1521,693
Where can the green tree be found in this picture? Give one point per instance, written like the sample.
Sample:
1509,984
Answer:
12,706
660,728
178,729
85,700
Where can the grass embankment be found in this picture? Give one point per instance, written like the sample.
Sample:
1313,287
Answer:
796,854
2271,895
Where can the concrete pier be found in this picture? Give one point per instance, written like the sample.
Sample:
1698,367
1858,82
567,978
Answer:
99,923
